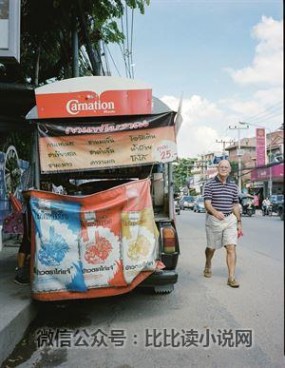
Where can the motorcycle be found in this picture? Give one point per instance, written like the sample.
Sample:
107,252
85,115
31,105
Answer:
247,207
177,207
267,210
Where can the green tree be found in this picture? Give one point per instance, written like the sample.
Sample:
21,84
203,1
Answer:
47,27
182,172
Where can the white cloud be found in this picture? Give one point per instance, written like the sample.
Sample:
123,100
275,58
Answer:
264,107
270,96
205,122
201,127
195,109
192,141
267,65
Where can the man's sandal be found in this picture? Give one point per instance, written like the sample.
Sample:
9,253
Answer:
207,272
233,283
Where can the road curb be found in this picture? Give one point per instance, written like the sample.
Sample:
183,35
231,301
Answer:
17,307
12,332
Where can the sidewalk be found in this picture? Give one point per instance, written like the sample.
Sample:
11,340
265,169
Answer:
16,306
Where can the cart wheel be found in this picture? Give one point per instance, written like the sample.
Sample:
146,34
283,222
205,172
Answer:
12,171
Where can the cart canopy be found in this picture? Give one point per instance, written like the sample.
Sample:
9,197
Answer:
93,123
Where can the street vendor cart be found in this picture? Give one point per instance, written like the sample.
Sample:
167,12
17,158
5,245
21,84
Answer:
103,219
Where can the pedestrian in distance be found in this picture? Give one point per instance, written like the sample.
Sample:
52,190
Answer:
23,256
256,201
266,203
22,276
17,223
266,207
223,220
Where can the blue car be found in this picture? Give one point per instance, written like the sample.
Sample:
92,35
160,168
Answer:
186,202
199,205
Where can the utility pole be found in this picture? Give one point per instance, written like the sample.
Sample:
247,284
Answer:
239,153
224,145
269,157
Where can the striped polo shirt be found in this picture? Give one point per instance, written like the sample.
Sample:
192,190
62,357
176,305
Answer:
222,196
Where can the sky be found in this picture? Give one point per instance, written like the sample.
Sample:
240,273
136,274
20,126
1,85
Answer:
224,58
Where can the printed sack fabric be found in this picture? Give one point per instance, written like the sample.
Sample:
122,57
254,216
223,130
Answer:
96,241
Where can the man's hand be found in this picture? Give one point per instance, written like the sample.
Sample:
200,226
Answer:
211,210
239,229
219,215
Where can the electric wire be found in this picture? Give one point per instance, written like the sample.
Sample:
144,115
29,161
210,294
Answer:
85,59
108,71
113,61
214,144
128,42
266,117
131,50
126,47
268,108
123,47
267,111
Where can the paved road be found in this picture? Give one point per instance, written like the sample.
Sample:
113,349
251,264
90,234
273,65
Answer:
194,326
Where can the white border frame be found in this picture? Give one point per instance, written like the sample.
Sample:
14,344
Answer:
13,50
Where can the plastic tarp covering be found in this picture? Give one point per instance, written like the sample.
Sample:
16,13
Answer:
92,246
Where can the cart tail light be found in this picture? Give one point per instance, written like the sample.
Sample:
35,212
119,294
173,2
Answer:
169,240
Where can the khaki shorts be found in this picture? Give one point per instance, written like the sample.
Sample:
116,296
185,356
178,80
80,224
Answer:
221,232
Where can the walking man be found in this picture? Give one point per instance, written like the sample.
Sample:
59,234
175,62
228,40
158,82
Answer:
223,220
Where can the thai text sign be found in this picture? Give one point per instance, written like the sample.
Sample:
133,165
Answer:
260,146
96,244
74,148
277,171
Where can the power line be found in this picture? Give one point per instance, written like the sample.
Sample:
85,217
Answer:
108,71
266,117
267,111
129,36
115,65
126,25
123,47
132,34
224,144
126,47
128,39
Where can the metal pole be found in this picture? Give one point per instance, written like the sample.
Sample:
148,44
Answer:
239,162
270,154
239,153
224,146
270,167
75,49
36,161
171,191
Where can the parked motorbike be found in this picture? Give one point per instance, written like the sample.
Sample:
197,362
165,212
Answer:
248,209
267,210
